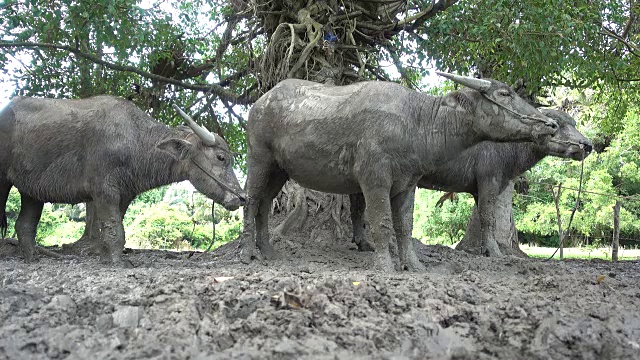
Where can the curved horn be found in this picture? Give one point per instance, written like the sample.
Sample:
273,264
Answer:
207,138
472,83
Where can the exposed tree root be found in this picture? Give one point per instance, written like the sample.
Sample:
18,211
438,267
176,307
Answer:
296,206
299,204
39,249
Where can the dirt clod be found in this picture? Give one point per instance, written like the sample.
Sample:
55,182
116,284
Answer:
460,307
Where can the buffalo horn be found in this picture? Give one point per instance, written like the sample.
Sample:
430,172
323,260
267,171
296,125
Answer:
472,83
207,138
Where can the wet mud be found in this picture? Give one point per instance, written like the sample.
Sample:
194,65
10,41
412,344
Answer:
320,300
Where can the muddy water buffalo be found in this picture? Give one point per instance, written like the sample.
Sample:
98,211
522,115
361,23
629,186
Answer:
106,150
90,239
377,138
484,170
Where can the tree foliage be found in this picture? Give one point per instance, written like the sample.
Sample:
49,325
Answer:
440,224
226,53
542,44
608,175
178,217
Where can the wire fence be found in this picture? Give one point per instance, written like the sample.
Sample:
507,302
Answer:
618,198
634,197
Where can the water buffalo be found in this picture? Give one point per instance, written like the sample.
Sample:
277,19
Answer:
105,150
377,138
484,170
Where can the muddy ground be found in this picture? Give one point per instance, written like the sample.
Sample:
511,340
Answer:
319,301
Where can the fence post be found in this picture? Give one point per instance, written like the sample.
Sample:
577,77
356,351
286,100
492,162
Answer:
616,231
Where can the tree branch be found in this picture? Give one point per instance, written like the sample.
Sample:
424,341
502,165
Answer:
627,27
212,88
433,10
243,124
633,49
225,39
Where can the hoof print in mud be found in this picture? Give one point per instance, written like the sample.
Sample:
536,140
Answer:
128,316
288,301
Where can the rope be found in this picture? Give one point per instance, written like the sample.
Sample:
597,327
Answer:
521,116
213,237
223,185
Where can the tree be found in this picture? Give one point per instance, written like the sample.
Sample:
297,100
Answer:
219,57
505,225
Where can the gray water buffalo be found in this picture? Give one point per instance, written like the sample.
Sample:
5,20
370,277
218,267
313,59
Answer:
484,170
375,138
103,150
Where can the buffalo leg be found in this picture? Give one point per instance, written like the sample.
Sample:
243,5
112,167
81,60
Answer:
380,223
27,225
111,229
402,209
90,240
357,207
487,197
89,233
5,187
249,230
261,166
276,181
92,226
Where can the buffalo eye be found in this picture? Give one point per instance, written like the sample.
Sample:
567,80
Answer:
220,157
504,93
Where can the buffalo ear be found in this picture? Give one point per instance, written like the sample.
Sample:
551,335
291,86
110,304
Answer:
178,148
458,101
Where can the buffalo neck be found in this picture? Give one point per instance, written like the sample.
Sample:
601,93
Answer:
444,132
518,157
154,167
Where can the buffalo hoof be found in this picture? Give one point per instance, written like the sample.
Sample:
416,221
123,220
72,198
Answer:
115,261
246,255
364,245
121,263
29,253
491,249
412,263
383,262
267,251
105,259
393,249
30,259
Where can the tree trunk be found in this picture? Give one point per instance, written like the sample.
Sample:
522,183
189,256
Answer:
308,214
507,238
616,231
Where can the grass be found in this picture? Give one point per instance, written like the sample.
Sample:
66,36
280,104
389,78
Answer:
585,253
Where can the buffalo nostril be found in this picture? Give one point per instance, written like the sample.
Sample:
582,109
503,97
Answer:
243,200
587,148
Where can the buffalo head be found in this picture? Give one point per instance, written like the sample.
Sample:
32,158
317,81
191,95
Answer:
208,163
567,142
500,114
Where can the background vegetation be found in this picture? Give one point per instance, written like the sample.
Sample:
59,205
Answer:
170,217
